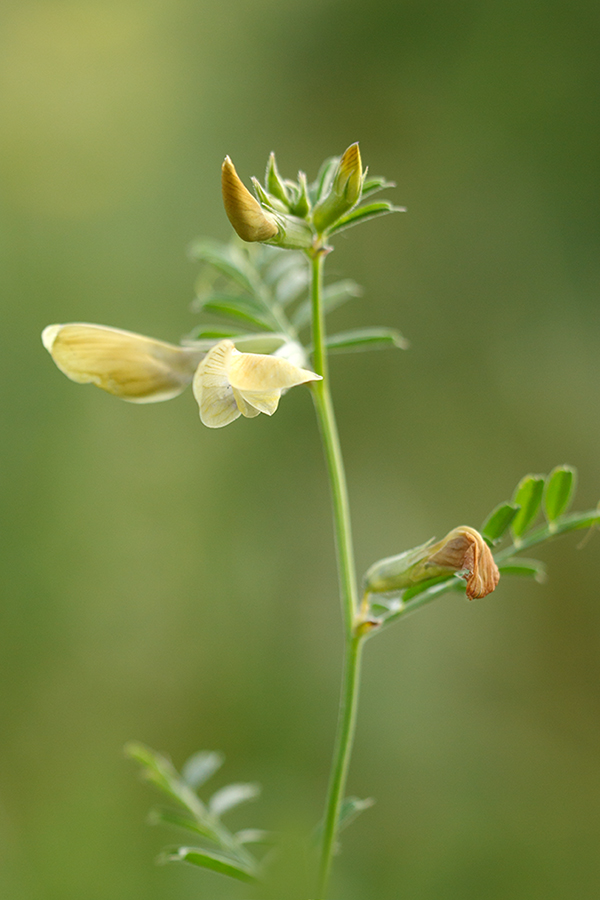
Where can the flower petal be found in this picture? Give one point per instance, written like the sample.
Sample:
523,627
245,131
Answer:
259,372
212,390
131,366
246,409
262,401
229,383
465,549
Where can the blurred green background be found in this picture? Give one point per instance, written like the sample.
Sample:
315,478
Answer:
175,585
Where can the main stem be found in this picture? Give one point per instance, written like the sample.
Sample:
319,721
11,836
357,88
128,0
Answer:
347,576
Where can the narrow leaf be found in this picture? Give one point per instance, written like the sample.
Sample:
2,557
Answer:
362,213
273,180
524,568
333,295
321,187
231,795
267,200
351,808
212,334
528,495
559,491
160,816
225,260
374,185
294,283
197,856
301,206
232,307
254,836
201,766
498,522
365,339
160,771
280,262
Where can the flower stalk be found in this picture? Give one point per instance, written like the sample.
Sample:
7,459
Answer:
347,576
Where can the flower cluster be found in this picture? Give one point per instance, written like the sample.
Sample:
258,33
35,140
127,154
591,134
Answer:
226,383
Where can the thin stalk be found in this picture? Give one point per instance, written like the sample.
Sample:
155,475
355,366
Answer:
341,757
347,576
333,453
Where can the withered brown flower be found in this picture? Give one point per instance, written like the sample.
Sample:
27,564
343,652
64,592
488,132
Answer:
465,549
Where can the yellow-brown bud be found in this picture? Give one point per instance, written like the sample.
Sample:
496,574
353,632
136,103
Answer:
249,219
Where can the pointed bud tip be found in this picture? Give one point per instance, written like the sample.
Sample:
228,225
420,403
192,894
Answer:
243,210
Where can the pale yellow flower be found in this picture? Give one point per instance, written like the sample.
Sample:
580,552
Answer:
229,384
131,366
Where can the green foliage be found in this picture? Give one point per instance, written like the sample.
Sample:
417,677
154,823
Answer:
528,496
231,857
350,809
255,286
498,522
365,339
560,487
304,214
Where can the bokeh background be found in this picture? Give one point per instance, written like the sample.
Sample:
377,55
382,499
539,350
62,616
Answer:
175,585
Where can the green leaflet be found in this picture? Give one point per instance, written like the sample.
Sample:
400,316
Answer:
559,491
206,859
365,339
528,495
498,522
363,213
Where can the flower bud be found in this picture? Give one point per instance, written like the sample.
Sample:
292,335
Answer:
345,192
274,182
249,219
136,368
462,550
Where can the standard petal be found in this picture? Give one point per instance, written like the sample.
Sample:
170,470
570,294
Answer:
130,366
258,372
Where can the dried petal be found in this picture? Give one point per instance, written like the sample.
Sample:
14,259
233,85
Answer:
131,366
465,549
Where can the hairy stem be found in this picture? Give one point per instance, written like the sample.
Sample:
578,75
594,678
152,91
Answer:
347,577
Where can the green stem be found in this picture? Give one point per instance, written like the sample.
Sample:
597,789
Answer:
341,757
347,576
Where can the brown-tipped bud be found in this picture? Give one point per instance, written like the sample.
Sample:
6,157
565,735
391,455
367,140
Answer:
249,219
464,549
